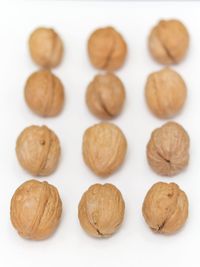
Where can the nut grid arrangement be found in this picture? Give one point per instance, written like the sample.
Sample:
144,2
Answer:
36,206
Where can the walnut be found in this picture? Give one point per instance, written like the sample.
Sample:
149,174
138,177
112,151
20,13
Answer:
38,150
168,149
46,47
44,93
165,208
104,148
35,210
169,41
107,49
101,210
105,96
165,93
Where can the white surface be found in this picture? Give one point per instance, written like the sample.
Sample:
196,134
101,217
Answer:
134,244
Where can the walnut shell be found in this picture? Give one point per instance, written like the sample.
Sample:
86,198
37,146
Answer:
165,208
46,47
168,149
38,150
105,96
35,210
165,93
169,41
104,148
101,210
107,49
44,93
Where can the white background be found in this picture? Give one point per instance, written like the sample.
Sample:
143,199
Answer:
134,244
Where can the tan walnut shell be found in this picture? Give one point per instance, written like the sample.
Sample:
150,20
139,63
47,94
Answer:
35,210
165,208
104,148
107,49
101,210
38,150
169,41
165,93
44,93
105,96
46,47
168,149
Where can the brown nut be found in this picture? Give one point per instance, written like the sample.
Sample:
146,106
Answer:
105,96
165,208
35,210
165,93
44,93
38,150
168,149
107,49
104,148
101,210
169,41
46,47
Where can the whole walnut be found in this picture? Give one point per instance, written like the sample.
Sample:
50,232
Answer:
104,148
165,208
38,150
165,93
107,49
105,96
44,93
168,149
35,210
101,210
46,47
169,41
